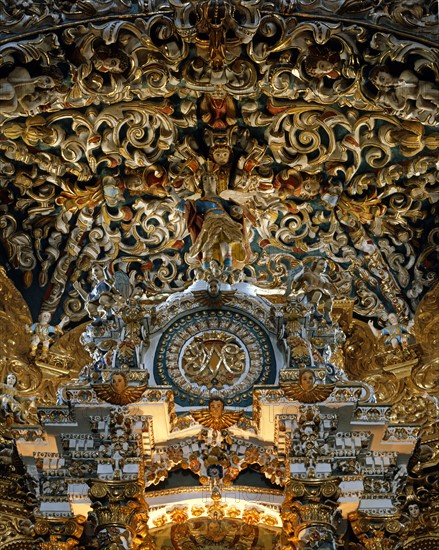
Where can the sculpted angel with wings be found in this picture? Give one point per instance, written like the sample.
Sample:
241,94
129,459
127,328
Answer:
117,392
307,391
215,416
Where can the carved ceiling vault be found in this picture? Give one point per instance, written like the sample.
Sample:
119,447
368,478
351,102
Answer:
219,199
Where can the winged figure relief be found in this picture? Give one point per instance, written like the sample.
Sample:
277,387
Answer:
213,296
117,392
306,390
216,417
35,376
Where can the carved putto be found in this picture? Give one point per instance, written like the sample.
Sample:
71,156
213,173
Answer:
216,417
118,391
306,390
43,333
15,407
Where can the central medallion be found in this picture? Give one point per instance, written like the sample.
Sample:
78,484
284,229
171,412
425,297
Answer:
214,359
210,352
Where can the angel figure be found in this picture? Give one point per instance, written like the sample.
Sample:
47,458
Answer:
213,296
306,390
42,333
393,92
101,286
12,403
117,392
215,416
318,287
20,93
394,333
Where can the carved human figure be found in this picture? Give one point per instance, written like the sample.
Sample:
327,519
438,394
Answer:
14,405
19,92
218,109
104,71
321,61
214,270
318,287
199,274
42,333
394,333
213,225
100,287
394,92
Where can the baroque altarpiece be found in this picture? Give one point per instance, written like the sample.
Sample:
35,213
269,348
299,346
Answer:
219,263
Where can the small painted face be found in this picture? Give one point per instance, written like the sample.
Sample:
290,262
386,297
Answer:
221,156
393,319
118,382
108,65
414,510
44,317
216,408
321,266
311,186
307,380
324,67
46,82
214,289
11,379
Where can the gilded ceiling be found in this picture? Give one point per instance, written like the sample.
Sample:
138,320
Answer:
318,118
296,143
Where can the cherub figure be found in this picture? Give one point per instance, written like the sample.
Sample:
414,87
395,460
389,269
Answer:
393,92
118,392
20,93
42,333
216,417
92,298
394,333
214,271
12,403
307,391
318,287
